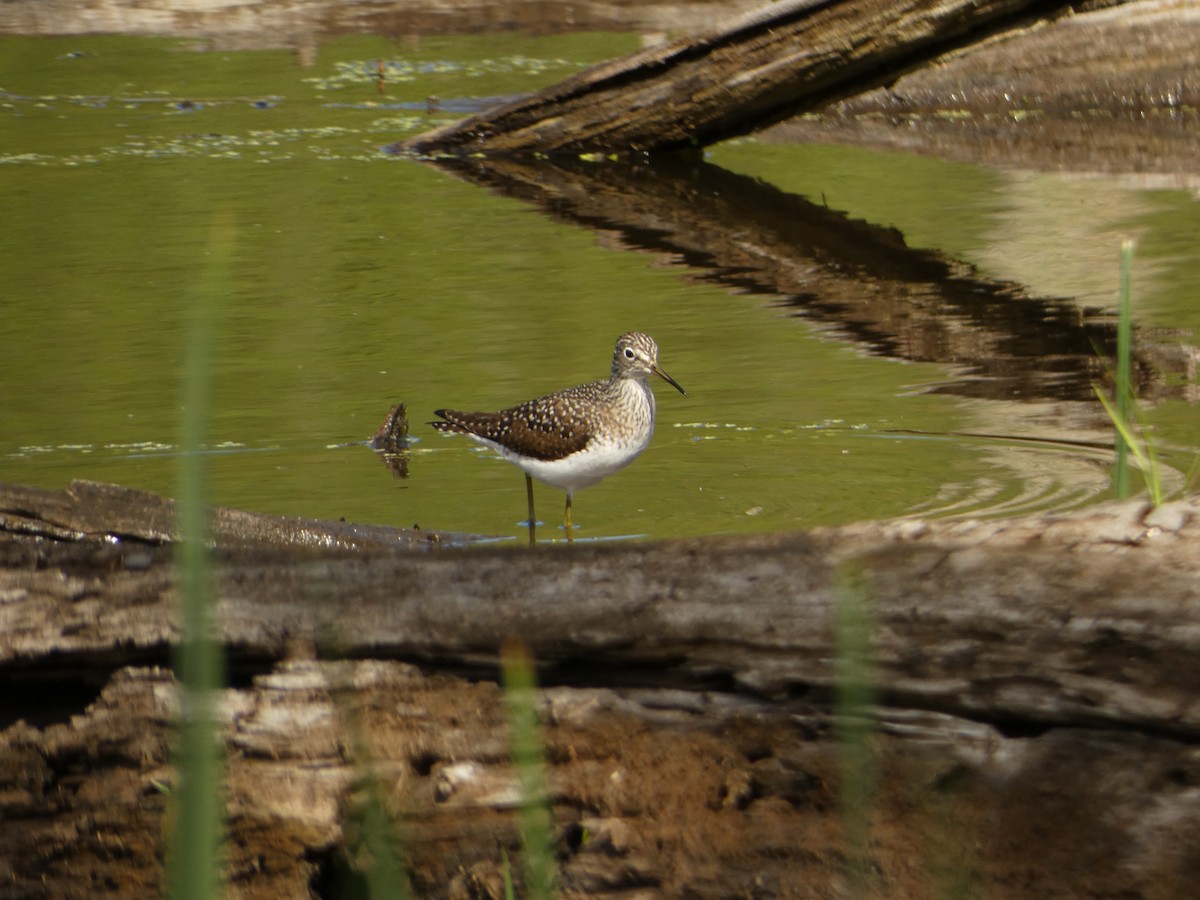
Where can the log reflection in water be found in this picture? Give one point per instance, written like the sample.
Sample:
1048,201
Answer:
861,279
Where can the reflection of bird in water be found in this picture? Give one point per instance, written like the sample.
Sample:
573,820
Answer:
391,441
574,438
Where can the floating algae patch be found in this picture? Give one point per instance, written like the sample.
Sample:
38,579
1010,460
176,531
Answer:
258,145
263,145
84,100
356,73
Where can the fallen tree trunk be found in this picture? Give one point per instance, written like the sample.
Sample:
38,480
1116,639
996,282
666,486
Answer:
1082,620
1035,717
765,67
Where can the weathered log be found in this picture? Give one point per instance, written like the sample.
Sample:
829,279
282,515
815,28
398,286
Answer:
1037,709
1078,620
758,70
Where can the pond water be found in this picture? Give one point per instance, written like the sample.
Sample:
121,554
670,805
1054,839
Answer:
933,359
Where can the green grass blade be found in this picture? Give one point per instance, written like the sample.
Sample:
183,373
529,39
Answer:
854,696
1121,410
372,839
194,859
537,834
386,879
1146,458
510,890
1124,376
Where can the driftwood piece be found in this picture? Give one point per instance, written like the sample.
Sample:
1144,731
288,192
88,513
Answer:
1034,731
758,70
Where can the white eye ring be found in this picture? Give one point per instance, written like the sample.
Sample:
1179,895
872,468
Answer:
629,353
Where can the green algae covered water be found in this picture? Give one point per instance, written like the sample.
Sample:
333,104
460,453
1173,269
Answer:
359,279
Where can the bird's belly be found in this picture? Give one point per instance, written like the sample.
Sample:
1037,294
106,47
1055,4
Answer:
582,469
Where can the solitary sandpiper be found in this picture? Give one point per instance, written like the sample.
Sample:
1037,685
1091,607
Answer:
576,437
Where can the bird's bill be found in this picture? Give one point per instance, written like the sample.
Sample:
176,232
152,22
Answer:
668,379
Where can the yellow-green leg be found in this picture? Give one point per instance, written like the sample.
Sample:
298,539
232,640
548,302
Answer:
567,520
532,518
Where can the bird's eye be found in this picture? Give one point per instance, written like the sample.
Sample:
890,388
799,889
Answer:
629,353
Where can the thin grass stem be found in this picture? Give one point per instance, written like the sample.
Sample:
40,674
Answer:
854,698
1124,376
1143,451
375,829
386,879
194,861
1122,409
537,835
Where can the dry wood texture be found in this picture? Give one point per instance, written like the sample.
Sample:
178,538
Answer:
765,67
1038,709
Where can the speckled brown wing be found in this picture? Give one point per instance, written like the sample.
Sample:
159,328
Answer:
547,428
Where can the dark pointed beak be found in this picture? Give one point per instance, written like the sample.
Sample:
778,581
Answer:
668,379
